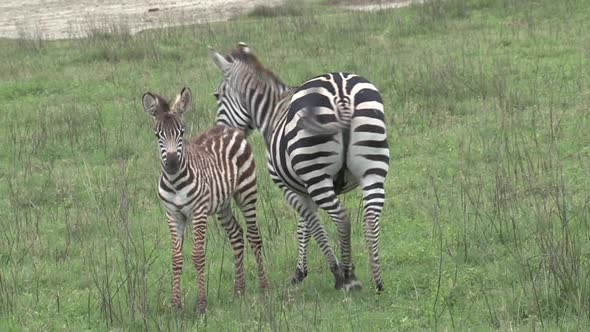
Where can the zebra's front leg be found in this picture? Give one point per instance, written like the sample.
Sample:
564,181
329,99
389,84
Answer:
176,226
236,239
200,230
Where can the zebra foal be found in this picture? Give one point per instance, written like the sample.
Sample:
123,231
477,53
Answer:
323,138
199,178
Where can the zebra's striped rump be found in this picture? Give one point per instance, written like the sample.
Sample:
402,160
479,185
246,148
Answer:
200,178
324,137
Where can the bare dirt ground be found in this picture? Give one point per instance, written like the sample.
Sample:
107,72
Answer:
381,4
57,19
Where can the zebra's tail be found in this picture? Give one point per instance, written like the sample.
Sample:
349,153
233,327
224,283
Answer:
311,119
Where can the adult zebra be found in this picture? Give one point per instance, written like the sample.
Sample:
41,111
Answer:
322,138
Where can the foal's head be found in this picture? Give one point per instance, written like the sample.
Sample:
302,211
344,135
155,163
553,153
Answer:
169,126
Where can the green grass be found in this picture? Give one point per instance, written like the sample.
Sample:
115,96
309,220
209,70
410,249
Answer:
486,225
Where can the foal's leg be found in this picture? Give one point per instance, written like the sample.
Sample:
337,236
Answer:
176,223
236,239
200,230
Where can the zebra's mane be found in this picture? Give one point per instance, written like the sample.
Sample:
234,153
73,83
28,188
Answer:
243,54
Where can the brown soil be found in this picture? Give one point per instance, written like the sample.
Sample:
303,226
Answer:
366,5
57,19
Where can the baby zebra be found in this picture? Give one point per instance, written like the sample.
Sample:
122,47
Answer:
199,179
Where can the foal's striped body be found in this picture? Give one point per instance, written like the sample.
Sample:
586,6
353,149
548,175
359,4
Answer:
199,179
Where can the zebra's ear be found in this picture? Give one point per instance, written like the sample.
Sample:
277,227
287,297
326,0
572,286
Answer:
150,104
243,47
183,101
219,60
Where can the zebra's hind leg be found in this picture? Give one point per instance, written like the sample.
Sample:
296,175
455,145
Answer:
374,198
309,224
323,194
368,161
236,239
303,236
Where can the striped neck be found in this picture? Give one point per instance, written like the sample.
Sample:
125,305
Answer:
262,104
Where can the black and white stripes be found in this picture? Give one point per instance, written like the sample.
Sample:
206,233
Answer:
199,178
323,138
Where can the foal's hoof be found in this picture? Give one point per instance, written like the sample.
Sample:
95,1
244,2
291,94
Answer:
201,309
176,305
379,288
239,293
264,286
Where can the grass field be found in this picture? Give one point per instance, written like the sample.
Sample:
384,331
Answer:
487,222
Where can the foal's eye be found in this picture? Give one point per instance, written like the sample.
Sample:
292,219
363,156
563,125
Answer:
157,134
216,94
181,130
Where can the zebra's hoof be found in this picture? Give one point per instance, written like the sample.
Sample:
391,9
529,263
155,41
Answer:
298,277
352,285
339,280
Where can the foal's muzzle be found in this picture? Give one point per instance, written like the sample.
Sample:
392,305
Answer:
172,163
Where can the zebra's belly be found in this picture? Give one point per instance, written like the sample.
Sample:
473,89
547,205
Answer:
279,177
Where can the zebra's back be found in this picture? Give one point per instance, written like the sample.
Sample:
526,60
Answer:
345,139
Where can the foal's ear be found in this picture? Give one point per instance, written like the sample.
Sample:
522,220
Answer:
183,101
150,104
